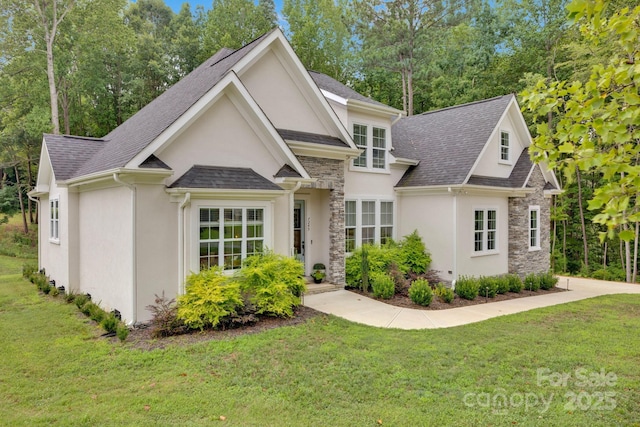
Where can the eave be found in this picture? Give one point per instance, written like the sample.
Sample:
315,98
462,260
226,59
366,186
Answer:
177,194
464,189
323,151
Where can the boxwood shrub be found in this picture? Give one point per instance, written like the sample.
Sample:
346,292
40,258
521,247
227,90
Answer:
467,287
487,286
532,282
420,292
515,283
444,293
382,285
547,280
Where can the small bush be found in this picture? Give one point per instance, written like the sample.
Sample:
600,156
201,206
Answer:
420,292
122,332
399,281
210,296
54,292
515,283
382,285
29,270
487,287
547,280
273,283
613,272
109,323
444,293
165,317
502,283
95,313
467,287
413,253
532,282
80,300
70,297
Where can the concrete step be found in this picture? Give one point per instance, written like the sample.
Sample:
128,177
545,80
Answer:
318,288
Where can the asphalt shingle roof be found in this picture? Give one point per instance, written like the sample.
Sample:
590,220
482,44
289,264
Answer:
152,162
447,142
332,85
312,137
69,153
287,171
223,178
517,179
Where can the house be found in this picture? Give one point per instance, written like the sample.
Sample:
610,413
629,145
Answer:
251,151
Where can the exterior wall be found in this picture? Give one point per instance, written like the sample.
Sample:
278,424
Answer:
522,260
432,217
157,249
105,248
470,264
490,163
220,137
274,89
330,174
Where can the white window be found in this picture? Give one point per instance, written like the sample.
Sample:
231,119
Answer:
367,221
350,221
229,235
504,146
54,219
373,141
534,228
485,230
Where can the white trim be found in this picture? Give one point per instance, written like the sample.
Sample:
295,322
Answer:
370,148
310,149
485,230
509,159
54,237
534,208
377,200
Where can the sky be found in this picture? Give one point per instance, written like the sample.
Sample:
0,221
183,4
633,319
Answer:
175,4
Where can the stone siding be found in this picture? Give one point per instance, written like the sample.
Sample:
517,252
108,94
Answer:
330,176
522,261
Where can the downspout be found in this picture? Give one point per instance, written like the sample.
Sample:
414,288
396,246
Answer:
37,202
181,240
455,238
396,119
134,270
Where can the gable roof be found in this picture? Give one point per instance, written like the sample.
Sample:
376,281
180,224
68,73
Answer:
68,153
447,142
223,178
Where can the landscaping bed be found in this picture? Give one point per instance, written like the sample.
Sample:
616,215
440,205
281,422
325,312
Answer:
400,300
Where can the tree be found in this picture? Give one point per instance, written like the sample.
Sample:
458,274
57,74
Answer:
598,121
319,33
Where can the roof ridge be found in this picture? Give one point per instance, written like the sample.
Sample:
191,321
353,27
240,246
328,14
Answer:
88,138
232,51
480,101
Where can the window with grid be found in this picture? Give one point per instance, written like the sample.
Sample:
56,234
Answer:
386,221
485,230
504,146
360,139
54,219
350,221
228,235
379,151
368,229
534,227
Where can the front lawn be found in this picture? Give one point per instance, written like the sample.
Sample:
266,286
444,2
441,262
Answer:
568,365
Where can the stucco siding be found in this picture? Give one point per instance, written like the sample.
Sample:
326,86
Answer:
432,217
105,248
220,137
490,163
274,89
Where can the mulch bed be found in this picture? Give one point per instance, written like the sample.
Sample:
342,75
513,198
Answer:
141,338
436,304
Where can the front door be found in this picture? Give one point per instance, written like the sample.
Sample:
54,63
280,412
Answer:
298,229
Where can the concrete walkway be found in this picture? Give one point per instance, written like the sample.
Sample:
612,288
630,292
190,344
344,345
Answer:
360,309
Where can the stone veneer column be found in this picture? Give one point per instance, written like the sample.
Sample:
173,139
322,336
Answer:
521,260
330,176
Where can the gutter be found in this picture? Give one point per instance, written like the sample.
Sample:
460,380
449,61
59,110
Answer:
134,272
181,242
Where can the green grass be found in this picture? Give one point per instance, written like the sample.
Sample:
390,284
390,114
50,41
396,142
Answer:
13,241
56,370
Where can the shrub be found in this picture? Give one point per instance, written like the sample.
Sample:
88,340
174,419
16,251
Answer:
109,323
612,272
122,332
515,283
420,292
382,285
70,297
502,283
399,281
444,293
80,300
29,270
467,287
273,283
96,313
487,287
547,280
210,296
532,282
413,254
54,291
165,317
